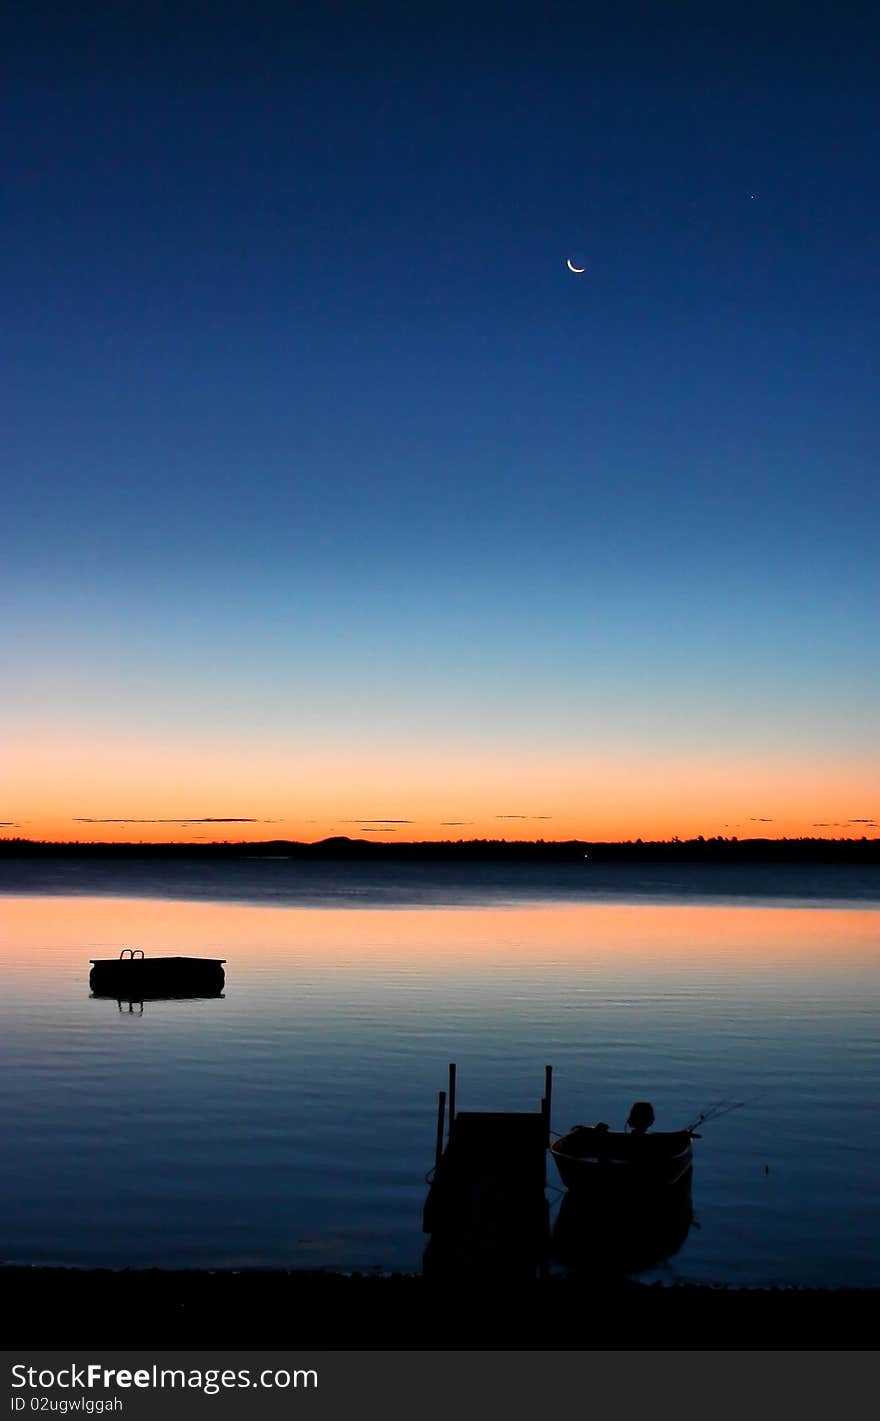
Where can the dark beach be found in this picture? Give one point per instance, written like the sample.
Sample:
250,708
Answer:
51,1307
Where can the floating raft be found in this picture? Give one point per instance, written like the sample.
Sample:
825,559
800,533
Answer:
486,1209
137,978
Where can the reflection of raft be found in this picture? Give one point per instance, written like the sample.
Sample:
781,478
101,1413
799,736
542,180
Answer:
134,977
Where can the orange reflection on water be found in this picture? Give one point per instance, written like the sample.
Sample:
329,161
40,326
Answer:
36,933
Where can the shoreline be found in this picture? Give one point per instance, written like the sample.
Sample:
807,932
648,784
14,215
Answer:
53,1307
714,851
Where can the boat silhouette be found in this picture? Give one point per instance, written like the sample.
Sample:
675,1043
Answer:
628,1200
593,1159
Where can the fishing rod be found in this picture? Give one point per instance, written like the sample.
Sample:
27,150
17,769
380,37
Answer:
716,1110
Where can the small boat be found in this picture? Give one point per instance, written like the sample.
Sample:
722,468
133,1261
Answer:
134,977
618,1166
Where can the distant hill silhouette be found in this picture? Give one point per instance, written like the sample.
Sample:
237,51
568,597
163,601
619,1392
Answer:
700,850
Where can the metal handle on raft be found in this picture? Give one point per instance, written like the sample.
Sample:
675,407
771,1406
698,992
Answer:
132,952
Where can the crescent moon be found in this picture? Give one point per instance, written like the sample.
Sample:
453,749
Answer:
577,269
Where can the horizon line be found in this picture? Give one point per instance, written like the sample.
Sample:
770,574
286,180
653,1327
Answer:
637,842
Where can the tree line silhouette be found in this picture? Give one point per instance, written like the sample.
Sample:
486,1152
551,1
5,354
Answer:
715,850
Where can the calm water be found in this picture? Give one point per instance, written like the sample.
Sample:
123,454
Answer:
292,1122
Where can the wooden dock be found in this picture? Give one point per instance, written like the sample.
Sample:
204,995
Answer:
486,1209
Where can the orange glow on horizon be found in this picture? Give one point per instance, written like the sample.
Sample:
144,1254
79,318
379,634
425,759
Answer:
62,789
69,831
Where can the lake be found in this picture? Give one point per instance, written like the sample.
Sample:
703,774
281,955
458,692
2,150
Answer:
291,1122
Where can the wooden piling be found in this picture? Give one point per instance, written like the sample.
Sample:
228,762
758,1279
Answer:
452,1073
546,1104
548,1095
441,1111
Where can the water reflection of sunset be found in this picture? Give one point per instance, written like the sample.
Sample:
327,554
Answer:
525,935
301,1105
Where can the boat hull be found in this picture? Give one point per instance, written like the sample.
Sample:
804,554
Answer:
605,1164
628,1205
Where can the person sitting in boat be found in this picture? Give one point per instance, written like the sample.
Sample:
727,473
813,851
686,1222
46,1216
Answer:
641,1117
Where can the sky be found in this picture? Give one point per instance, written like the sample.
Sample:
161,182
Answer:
333,502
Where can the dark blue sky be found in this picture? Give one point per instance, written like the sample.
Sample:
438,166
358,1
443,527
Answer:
296,376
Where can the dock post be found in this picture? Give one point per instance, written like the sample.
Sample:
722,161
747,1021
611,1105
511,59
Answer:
441,1111
545,1111
546,1105
548,1095
451,1098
